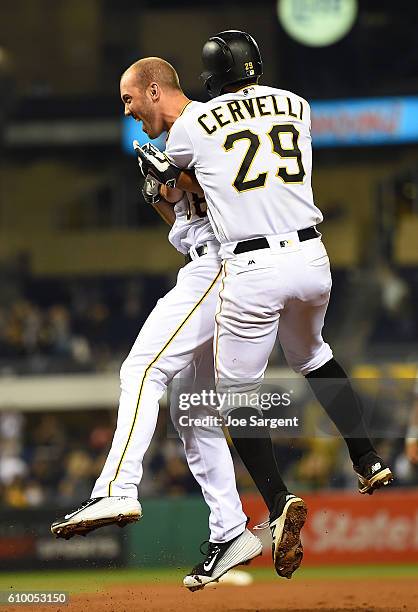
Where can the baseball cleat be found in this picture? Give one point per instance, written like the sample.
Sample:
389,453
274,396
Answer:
286,523
222,557
372,473
97,512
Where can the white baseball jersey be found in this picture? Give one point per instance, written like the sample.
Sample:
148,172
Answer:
191,227
251,152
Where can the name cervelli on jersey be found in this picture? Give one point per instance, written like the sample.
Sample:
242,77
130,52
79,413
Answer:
250,108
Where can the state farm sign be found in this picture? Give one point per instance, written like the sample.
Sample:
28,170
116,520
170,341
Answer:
347,528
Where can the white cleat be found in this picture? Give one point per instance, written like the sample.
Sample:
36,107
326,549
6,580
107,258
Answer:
220,558
97,512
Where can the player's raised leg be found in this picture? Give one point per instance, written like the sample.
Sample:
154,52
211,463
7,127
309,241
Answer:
180,322
300,334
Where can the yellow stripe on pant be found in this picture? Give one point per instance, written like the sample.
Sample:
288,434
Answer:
147,369
222,289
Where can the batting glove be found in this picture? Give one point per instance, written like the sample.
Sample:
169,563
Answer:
151,190
152,161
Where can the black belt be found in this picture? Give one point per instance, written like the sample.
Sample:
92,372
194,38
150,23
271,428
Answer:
200,250
262,243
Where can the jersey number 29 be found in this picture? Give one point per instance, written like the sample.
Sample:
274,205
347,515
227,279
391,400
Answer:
241,183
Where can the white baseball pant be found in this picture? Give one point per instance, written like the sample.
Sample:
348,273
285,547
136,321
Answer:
173,338
206,451
284,289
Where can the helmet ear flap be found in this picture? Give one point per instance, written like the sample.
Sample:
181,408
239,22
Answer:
209,81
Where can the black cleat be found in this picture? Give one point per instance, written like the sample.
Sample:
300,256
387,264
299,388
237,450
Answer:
286,522
372,473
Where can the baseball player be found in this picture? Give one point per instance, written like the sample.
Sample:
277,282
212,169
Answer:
250,148
176,340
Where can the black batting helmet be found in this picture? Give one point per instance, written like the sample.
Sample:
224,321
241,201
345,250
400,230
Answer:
230,57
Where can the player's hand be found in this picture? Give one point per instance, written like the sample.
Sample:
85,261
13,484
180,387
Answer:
151,190
152,161
411,450
172,196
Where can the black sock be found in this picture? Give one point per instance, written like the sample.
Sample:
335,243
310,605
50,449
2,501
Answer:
254,446
342,406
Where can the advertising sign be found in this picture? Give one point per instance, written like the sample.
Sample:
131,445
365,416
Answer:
26,543
349,529
368,121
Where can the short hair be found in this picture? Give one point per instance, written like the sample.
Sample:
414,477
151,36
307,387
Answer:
150,69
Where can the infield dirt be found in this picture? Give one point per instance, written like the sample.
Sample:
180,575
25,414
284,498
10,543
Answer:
374,595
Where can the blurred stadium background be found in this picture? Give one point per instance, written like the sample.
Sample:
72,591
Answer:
83,260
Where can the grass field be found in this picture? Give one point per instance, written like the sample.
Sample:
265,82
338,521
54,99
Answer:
94,580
